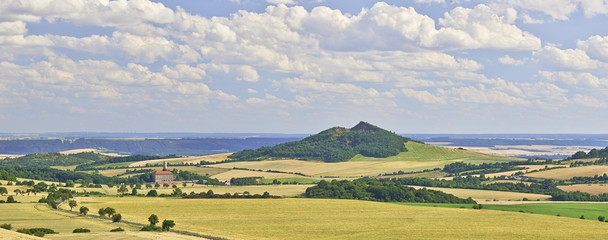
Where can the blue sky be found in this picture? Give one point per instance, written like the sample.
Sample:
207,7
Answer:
301,66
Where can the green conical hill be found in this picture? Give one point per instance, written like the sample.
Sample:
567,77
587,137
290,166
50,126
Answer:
334,145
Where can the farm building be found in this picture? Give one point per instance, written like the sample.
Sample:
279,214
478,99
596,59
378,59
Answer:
162,176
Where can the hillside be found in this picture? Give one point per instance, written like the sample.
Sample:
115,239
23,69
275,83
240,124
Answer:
336,144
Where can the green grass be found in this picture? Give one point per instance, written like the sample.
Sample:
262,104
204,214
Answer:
346,219
572,210
426,152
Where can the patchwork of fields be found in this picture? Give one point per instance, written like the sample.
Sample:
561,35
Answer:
345,219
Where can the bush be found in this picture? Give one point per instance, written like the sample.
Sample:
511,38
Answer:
6,226
38,232
601,218
582,217
81,230
152,193
116,217
151,228
117,230
10,199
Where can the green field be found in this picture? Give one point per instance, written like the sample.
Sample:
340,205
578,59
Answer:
573,210
345,219
426,152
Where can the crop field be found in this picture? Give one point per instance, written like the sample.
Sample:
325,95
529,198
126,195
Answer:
594,189
197,159
429,174
199,170
286,190
567,173
245,173
482,196
31,215
344,219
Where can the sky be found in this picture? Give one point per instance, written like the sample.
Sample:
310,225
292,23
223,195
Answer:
301,66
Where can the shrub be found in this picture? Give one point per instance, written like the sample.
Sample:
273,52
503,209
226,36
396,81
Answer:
6,226
601,218
10,199
150,228
167,224
582,217
38,232
117,230
81,230
116,217
152,193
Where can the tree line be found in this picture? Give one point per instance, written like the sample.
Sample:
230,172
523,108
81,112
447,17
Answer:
375,190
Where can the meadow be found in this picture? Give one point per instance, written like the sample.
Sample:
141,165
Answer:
295,218
590,211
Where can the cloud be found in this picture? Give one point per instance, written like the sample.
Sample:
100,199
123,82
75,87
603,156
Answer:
506,59
580,80
595,46
287,2
554,57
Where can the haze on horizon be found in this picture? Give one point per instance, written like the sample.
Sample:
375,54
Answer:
302,66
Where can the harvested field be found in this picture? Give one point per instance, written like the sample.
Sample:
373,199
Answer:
345,219
198,170
287,190
32,215
567,173
482,196
244,173
197,159
594,189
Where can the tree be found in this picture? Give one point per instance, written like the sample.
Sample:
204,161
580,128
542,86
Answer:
3,191
102,212
210,193
69,183
152,193
167,224
134,191
72,204
110,211
10,199
116,217
17,191
84,210
123,189
601,218
153,219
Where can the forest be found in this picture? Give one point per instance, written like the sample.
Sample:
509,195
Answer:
375,190
333,145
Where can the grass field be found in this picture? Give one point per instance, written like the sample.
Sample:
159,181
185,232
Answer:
426,152
31,215
345,219
567,173
482,196
573,210
594,189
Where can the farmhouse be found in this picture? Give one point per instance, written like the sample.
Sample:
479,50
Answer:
162,176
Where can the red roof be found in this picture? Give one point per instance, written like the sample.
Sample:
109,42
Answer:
163,172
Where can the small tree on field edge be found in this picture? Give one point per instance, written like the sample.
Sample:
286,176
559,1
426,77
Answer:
153,219
601,218
72,204
116,217
167,224
84,210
